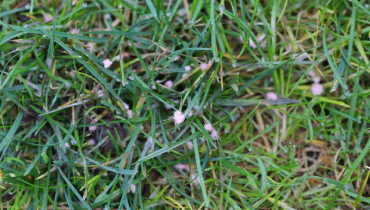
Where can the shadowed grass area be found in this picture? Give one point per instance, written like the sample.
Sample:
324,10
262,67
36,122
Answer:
184,104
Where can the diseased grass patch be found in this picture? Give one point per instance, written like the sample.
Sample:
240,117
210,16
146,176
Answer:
184,104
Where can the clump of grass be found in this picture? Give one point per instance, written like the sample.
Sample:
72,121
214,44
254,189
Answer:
184,104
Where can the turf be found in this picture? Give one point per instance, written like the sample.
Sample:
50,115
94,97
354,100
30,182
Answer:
183,104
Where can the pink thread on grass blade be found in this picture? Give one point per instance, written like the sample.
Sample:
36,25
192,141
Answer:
208,127
132,188
92,142
92,128
316,79
47,17
311,73
204,66
168,84
271,96
210,63
176,58
107,63
214,135
90,47
317,89
252,44
187,68
182,167
130,114
74,31
196,180
190,145
178,117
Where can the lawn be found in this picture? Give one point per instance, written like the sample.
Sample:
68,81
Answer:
179,104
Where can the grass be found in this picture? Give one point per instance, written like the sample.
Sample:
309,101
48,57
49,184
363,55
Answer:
77,133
